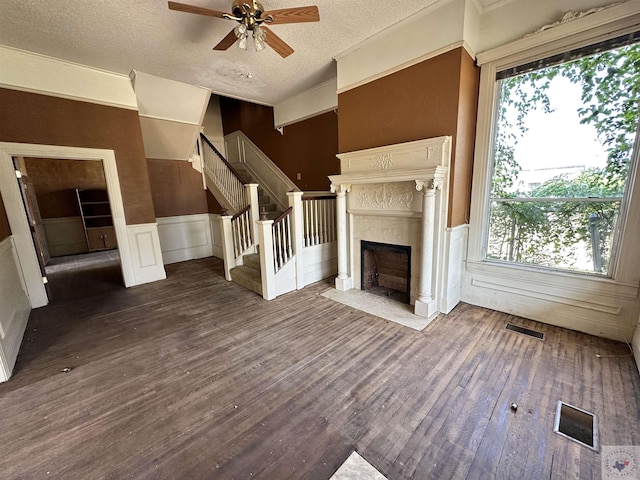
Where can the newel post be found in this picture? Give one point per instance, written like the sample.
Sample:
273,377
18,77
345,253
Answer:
343,282
297,232
254,206
228,254
267,265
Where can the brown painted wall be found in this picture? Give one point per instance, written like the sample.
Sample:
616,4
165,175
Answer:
55,182
415,103
5,230
41,119
212,204
462,167
308,147
176,188
433,98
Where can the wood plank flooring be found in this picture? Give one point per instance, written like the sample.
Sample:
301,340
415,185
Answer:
197,378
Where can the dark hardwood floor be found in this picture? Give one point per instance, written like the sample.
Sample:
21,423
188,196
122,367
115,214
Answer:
197,378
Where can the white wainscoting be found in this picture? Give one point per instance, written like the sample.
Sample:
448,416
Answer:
598,306
65,236
285,278
455,250
319,262
145,253
14,307
185,237
216,235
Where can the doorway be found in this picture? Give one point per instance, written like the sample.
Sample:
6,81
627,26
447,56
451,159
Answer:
69,214
20,230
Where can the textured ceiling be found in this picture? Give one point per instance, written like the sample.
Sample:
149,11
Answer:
121,35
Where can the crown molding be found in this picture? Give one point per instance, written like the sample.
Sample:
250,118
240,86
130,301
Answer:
411,63
570,31
36,73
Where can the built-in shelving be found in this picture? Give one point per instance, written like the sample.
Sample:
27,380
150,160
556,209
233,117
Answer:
96,219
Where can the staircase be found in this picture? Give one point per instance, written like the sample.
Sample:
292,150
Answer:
268,208
279,252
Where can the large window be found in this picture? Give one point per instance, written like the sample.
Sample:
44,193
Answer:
562,152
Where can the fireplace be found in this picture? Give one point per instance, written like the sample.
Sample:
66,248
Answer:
397,195
386,270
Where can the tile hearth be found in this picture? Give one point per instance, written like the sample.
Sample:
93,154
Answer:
392,310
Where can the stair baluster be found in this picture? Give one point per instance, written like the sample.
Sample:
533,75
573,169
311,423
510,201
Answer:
241,231
223,177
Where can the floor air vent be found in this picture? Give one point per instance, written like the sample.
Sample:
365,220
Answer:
577,425
525,331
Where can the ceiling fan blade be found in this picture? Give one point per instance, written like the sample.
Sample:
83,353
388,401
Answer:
275,42
227,41
294,15
183,7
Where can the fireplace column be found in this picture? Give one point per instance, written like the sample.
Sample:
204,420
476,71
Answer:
344,281
425,304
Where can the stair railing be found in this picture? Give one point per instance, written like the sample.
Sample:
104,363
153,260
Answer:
242,231
239,236
319,220
306,227
281,234
240,149
281,242
223,176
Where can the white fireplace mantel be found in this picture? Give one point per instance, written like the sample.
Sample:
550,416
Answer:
397,194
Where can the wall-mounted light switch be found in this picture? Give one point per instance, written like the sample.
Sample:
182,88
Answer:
299,176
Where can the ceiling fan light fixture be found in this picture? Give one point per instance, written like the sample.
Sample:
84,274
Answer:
251,15
241,30
258,36
241,34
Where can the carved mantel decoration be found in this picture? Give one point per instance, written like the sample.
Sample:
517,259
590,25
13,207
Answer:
380,185
386,196
384,161
433,184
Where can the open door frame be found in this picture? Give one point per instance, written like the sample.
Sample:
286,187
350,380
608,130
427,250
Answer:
18,218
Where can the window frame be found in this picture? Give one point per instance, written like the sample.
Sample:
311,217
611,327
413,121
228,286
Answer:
600,26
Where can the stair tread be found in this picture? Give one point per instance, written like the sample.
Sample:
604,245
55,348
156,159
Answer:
247,269
247,277
252,261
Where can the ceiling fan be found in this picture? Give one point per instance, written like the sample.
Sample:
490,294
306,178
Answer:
251,18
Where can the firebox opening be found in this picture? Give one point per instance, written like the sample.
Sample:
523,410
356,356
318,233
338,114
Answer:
386,270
